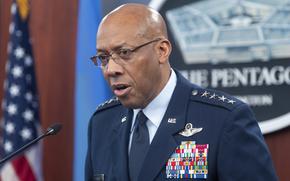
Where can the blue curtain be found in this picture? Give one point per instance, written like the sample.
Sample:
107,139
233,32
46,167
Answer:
90,88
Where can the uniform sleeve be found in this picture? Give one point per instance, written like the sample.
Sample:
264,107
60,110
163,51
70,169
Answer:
88,164
243,154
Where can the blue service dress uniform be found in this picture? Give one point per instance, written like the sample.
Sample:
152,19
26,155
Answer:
204,135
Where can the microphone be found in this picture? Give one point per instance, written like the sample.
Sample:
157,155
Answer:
52,130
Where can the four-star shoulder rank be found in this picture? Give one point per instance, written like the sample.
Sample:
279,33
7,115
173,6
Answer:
109,103
215,97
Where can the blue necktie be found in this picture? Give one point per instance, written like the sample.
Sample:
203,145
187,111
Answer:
139,146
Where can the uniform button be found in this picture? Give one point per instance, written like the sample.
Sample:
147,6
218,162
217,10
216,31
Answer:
194,92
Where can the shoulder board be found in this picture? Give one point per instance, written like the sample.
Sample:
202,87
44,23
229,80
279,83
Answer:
109,103
215,97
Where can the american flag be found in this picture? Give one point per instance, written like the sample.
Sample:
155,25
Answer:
20,106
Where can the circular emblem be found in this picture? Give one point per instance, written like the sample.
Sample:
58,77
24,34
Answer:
239,47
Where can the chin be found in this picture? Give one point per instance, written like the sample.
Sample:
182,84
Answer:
130,103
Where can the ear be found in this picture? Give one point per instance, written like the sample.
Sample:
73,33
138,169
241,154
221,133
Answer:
163,50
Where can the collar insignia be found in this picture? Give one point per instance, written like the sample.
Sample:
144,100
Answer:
124,119
172,120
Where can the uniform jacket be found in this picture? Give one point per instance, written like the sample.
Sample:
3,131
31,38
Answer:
236,148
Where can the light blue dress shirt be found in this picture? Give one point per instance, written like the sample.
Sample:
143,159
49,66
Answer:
156,109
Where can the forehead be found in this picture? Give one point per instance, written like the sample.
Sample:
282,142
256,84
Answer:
115,32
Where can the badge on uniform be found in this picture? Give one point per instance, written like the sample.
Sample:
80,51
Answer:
189,130
189,160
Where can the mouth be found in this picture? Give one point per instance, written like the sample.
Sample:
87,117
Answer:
120,90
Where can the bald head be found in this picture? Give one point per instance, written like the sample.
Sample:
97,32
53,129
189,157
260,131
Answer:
144,21
133,38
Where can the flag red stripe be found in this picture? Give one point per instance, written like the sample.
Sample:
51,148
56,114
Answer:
23,169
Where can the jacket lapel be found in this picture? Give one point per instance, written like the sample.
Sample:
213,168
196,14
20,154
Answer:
120,146
163,143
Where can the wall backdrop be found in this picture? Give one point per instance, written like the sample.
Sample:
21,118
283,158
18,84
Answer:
62,79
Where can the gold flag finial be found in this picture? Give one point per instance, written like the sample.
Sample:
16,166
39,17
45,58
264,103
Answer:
23,6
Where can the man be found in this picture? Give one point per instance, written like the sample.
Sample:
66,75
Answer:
160,126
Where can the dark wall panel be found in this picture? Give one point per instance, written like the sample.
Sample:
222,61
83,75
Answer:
53,27
280,148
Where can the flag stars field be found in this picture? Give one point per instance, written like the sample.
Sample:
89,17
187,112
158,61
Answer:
25,134
28,61
28,96
19,52
12,109
17,71
35,104
10,128
28,78
13,8
8,147
18,33
14,90
28,115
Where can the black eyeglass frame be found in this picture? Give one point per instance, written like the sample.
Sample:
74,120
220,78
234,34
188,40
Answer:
108,56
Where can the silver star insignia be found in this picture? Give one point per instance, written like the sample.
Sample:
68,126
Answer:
222,98
231,101
213,96
205,94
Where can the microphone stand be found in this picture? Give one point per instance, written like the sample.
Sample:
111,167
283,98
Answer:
50,131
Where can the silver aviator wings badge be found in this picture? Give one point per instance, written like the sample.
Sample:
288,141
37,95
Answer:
189,130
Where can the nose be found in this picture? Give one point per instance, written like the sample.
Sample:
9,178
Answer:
112,68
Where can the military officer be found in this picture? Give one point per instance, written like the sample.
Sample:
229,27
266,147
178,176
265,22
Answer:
159,126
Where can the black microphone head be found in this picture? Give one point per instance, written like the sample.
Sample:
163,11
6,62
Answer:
54,129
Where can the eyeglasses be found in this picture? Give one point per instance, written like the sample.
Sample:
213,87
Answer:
120,56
